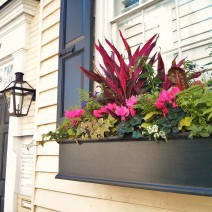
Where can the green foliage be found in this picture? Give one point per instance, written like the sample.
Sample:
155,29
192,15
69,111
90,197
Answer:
200,131
170,123
197,102
152,82
146,103
130,127
95,129
58,134
90,103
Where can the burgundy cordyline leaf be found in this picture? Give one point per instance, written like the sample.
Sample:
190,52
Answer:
167,84
178,78
152,60
116,90
174,62
179,64
152,45
112,55
126,46
113,48
138,87
135,74
147,45
123,76
108,62
134,58
107,73
160,69
197,74
91,75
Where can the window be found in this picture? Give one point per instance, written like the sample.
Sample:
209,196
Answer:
184,27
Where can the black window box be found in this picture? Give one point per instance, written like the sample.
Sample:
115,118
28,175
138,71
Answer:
182,165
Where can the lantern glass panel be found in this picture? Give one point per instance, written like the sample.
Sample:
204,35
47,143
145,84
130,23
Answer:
9,97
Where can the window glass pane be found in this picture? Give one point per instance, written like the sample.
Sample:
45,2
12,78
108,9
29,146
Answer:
124,5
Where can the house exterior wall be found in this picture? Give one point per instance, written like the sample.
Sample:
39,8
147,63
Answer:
29,38
19,48
52,194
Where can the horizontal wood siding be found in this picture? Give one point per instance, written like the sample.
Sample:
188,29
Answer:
70,196
32,59
20,207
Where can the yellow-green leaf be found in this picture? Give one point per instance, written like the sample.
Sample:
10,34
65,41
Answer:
145,125
151,115
185,122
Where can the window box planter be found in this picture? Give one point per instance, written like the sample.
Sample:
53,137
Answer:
181,165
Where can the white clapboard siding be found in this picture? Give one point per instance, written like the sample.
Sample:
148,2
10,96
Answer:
51,20
155,199
48,66
50,34
41,209
67,203
47,115
19,207
45,128
47,164
50,49
51,8
45,100
49,148
81,203
48,82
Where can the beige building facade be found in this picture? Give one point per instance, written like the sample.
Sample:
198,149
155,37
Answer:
29,42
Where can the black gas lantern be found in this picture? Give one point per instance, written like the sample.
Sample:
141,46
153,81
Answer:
19,95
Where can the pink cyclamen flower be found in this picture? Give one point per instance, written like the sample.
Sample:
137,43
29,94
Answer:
111,107
74,113
132,111
173,92
163,96
131,101
122,111
97,113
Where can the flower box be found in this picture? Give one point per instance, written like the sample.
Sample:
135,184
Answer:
181,165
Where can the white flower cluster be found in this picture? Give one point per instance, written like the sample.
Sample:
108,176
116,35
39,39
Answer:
154,130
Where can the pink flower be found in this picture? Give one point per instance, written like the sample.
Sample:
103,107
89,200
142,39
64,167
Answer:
173,92
97,113
167,96
131,101
74,113
103,110
122,111
163,96
132,111
111,107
